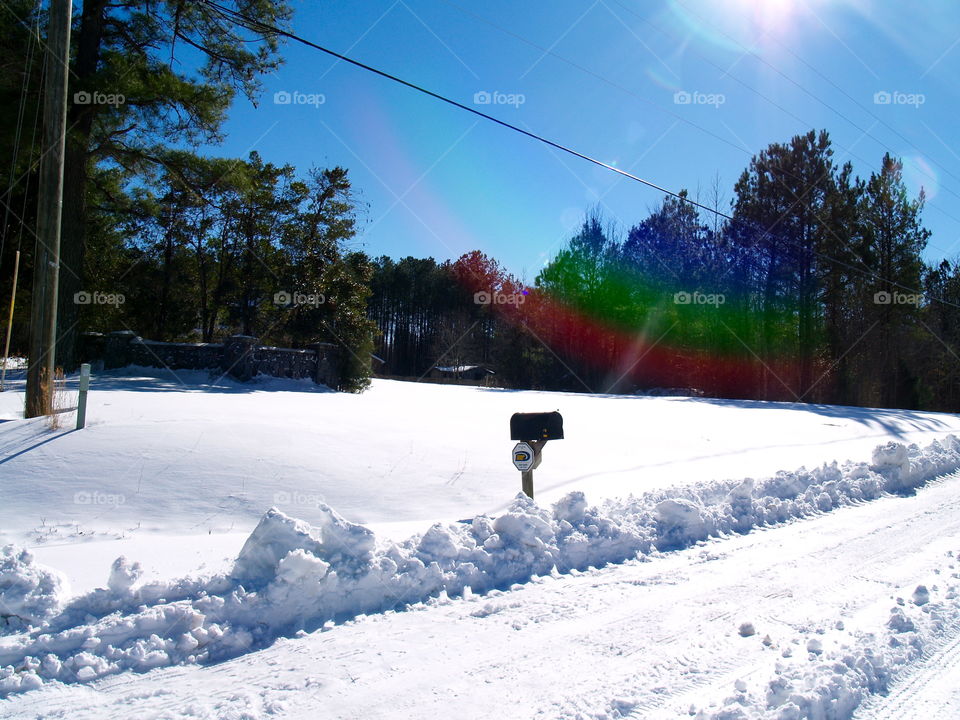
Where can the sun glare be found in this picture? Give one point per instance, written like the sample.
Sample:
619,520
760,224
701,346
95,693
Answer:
765,14
735,24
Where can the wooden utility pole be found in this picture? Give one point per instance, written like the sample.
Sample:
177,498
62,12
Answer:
46,264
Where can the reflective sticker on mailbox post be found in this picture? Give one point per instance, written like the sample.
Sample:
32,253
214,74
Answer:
523,456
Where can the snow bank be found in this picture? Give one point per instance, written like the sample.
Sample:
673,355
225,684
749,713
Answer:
292,576
29,593
277,535
705,510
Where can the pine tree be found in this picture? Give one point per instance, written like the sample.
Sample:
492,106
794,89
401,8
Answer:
894,240
781,210
144,75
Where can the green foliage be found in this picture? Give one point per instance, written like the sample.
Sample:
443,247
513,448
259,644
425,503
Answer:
799,270
210,246
202,247
146,77
21,63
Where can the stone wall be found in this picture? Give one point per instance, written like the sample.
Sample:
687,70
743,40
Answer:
239,356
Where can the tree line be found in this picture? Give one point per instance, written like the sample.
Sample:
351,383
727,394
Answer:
815,290
156,236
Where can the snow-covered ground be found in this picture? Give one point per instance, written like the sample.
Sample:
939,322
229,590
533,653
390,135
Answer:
161,455
796,594
642,639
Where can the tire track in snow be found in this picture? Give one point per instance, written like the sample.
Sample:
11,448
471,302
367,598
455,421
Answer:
907,699
642,637
865,554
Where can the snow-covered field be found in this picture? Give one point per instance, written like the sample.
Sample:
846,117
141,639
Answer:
400,576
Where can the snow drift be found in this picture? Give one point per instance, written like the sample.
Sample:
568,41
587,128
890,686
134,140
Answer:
291,576
29,593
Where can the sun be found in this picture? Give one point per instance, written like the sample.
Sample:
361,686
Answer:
765,14
736,24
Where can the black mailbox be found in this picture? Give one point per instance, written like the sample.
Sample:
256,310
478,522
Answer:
536,426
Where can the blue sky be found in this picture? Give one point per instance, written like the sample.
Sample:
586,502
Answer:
676,91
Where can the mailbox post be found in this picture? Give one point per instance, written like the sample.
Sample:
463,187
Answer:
533,430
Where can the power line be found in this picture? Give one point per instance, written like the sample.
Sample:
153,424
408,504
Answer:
588,71
257,25
264,27
864,132
681,118
34,33
612,83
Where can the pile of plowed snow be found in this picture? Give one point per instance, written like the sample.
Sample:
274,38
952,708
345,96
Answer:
29,593
292,576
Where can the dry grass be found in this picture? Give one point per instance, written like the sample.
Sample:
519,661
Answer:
59,398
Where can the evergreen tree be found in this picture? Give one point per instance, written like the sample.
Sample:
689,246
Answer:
938,356
843,278
781,210
894,240
144,75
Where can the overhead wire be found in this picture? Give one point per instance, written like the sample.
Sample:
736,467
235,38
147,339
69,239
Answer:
260,26
32,44
689,122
